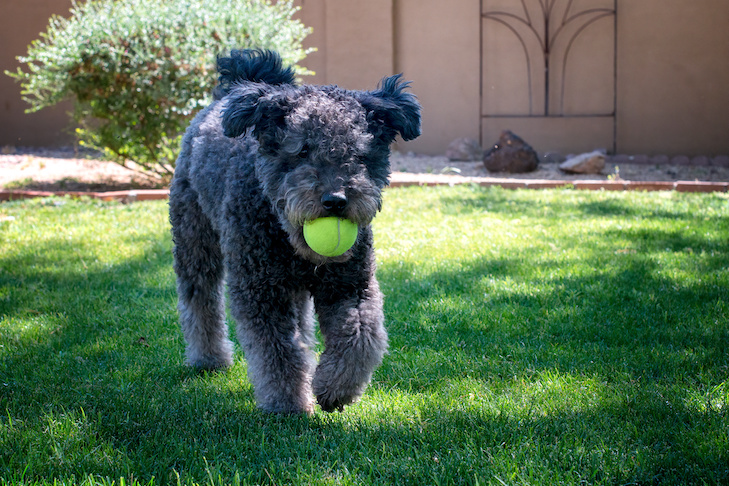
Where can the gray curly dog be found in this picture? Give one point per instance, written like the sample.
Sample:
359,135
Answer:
265,157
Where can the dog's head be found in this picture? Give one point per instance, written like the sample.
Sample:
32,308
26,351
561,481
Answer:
323,151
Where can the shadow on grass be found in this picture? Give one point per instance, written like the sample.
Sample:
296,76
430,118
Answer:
646,330
661,302
625,318
82,336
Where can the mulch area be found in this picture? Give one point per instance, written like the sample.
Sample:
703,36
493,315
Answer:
26,173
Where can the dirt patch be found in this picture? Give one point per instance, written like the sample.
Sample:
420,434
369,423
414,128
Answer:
67,169
615,169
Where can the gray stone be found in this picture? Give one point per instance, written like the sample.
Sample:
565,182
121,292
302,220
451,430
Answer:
464,150
589,163
511,154
553,158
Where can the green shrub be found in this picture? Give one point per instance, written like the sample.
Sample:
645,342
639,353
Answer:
138,70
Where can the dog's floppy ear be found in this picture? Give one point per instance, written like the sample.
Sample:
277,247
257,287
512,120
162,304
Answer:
392,110
250,105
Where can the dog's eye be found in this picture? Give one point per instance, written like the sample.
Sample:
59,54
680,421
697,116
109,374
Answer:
304,153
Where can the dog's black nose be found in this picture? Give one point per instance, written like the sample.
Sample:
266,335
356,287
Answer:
334,201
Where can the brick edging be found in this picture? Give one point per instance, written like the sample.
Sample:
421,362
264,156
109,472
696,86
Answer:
155,194
679,186
122,196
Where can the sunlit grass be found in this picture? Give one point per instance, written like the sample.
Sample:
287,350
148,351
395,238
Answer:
536,337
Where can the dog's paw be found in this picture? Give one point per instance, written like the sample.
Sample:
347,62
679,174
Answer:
329,403
336,385
208,366
209,363
211,358
334,398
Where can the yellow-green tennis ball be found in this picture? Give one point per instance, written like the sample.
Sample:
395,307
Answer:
330,236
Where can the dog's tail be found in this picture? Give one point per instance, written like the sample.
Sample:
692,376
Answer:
255,65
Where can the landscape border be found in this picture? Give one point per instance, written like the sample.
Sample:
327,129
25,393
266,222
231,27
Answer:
405,180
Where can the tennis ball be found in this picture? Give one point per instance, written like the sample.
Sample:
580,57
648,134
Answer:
330,236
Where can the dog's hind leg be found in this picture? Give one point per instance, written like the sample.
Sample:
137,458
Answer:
200,286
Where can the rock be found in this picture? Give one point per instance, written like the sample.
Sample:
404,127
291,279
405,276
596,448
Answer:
553,158
589,163
464,150
511,154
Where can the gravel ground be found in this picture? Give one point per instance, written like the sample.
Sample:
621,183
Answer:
65,169
615,168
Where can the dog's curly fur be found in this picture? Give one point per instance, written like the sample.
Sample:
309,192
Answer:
266,156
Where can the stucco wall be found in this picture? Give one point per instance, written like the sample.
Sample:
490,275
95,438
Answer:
655,85
548,73
354,41
430,41
437,48
665,72
21,22
673,77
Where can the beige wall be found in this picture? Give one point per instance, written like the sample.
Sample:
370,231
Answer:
673,76
437,48
659,86
21,22
569,106
665,73
429,41
354,41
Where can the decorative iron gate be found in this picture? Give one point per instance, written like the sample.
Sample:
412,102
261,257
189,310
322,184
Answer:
549,66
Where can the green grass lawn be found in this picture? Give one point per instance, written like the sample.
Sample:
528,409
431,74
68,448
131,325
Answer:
536,337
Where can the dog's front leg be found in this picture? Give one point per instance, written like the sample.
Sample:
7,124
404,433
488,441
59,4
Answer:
275,329
355,342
